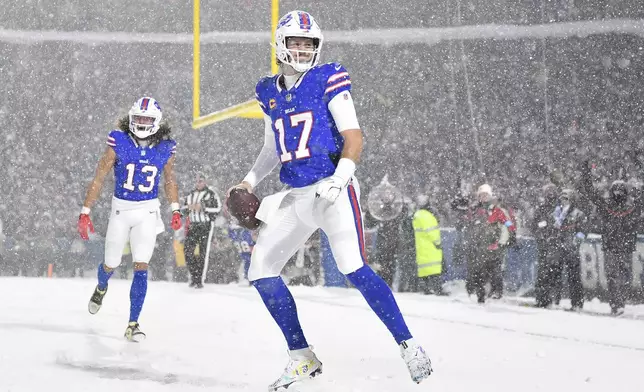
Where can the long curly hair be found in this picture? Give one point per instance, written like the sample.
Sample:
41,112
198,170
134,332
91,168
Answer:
162,134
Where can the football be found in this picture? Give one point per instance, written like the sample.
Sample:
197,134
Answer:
243,205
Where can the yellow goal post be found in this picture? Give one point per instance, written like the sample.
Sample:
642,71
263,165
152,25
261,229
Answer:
248,109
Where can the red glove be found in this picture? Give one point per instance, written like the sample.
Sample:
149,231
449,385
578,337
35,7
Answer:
176,220
84,223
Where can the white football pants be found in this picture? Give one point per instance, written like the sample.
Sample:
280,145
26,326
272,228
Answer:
136,222
299,214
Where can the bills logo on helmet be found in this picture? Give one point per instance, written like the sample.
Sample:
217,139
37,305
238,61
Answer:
305,21
287,18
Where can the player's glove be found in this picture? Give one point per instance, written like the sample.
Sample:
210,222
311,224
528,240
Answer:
85,224
330,188
176,217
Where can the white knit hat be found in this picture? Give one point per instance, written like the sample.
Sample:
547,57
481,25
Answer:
485,188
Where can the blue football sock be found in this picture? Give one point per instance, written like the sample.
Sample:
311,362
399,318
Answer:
103,277
137,293
281,305
246,267
381,300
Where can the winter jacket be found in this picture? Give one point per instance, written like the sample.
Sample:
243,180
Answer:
619,222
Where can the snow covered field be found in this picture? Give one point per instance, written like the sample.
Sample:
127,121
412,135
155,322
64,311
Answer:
222,339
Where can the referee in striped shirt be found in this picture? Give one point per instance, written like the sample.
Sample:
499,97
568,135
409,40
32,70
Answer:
201,206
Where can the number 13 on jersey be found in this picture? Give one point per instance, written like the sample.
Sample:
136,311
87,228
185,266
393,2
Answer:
151,172
295,120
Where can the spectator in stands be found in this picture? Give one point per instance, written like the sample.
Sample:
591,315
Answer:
494,231
406,256
545,233
570,226
620,217
464,251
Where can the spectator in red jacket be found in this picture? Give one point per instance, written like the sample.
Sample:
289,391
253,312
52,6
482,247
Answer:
494,231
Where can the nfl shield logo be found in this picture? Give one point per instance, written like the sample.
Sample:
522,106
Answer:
289,98
142,153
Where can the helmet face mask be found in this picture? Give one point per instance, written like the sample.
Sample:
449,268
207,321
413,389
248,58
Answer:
301,50
145,117
303,56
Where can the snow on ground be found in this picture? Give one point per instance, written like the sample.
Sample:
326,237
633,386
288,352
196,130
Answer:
222,339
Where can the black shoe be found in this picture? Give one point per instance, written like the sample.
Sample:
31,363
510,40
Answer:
199,285
192,284
96,301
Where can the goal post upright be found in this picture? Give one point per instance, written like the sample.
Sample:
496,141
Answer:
275,15
196,63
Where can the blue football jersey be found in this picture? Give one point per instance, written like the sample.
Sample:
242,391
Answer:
243,241
137,170
308,142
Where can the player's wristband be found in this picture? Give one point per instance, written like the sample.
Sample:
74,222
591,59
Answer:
85,210
345,169
175,206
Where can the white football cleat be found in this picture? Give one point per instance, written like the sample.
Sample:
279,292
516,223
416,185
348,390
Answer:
302,365
133,332
418,363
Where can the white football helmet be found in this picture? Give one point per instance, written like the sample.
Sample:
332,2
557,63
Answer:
297,24
145,117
